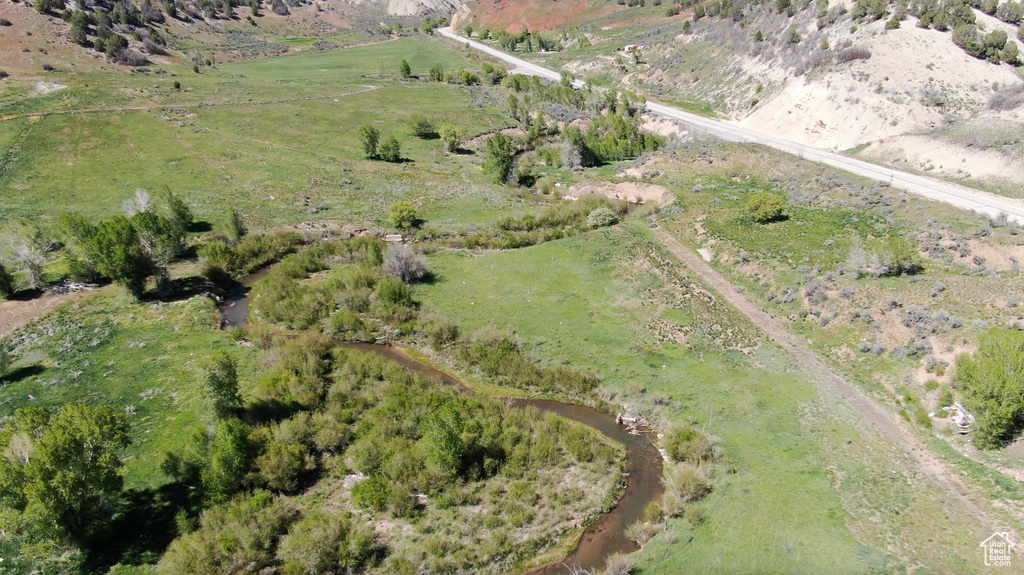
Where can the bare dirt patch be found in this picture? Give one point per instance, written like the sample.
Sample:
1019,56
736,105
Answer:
632,192
16,314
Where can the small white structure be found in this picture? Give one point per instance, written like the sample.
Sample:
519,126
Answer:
630,47
393,238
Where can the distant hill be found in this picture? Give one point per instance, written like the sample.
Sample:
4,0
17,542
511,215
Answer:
927,88
38,35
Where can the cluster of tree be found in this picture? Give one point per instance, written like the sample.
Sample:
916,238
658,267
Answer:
610,138
992,388
390,150
365,298
995,46
238,253
101,25
525,41
428,25
553,223
318,410
60,479
129,249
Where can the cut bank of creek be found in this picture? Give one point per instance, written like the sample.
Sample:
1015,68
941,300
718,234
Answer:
603,537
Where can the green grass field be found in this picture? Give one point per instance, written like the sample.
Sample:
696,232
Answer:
276,138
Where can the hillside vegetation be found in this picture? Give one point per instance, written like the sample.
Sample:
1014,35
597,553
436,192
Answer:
924,89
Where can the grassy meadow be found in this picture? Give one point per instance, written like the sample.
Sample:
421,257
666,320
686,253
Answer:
806,491
276,138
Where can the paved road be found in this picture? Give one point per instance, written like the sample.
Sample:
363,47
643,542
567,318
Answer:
960,196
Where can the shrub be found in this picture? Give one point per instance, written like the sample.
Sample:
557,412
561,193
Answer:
853,53
404,264
1007,98
601,217
371,494
450,137
683,443
696,514
322,543
244,531
154,48
618,564
404,70
6,282
441,331
403,214
765,207
686,481
641,532
394,291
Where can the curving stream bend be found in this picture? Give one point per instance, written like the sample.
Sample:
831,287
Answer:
603,537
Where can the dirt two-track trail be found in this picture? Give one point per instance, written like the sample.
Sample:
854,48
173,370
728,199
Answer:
881,421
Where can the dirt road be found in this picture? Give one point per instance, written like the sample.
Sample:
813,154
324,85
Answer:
960,196
882,421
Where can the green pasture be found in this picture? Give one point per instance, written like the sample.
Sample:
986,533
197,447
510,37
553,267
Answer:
275,138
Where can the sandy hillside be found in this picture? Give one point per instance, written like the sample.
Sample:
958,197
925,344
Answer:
916,84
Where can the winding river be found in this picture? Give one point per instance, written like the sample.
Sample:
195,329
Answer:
603,537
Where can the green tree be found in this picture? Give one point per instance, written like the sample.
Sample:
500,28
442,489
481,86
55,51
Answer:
402,214
992,386
765,207
442,441
404,69
236,226
78,34
6,359
369,137
78,233
42,6
178,211
6,282
114,44
222,385
498,164
229,461
391,150
450,138
118,254
71,468
422,127
437,73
